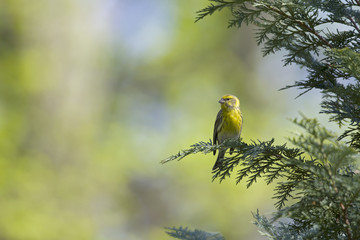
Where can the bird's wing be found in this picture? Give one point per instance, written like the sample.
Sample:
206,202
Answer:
216,126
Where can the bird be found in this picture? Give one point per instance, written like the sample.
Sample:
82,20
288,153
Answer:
228,125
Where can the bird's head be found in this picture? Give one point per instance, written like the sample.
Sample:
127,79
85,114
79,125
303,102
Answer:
229,102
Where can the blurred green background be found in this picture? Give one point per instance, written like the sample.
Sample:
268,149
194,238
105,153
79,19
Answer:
95,93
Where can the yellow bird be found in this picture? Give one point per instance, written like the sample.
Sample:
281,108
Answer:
228,124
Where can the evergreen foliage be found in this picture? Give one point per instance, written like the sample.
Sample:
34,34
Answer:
186,234
320,173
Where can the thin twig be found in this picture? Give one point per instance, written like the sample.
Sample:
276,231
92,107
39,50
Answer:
347,222
303,25
354,24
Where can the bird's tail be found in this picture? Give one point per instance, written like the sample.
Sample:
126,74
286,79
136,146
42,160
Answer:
220,157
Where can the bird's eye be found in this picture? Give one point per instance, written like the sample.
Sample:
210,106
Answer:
227,99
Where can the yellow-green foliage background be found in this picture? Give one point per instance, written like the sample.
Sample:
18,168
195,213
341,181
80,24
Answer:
93,94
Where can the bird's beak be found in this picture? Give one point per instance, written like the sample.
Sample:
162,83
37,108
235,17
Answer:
221,101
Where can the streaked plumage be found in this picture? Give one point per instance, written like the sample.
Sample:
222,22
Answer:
228,124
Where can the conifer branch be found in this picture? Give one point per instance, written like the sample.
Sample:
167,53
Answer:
204,147
208,11
301,24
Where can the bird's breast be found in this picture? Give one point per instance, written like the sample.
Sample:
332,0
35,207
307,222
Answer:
231,125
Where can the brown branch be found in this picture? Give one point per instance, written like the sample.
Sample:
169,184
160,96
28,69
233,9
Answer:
347,222
354,24
302,25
